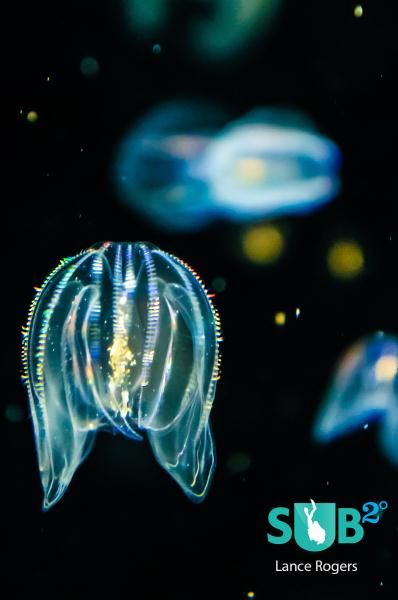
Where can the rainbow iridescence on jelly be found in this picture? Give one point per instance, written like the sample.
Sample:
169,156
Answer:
122,337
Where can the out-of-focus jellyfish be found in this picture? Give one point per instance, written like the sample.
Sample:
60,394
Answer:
212,29
182,170
364,389
231,26
270,163
155,165
122,337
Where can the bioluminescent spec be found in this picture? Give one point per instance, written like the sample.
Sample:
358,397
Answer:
122,337
182,170
364,389
270,163
212,30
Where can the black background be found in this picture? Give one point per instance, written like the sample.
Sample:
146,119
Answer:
123,525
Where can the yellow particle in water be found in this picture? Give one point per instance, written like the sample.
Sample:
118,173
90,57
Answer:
250,594
386,368
263,244
358,11
345,259
280,319
251,170
32,116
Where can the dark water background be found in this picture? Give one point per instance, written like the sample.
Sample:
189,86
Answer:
124,528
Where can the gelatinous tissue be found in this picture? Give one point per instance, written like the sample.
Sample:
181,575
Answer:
213,30
364,389
122,337
182,168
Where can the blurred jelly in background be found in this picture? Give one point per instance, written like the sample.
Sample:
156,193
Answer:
364,389
122,337
181,171
213,30
270,163
155,165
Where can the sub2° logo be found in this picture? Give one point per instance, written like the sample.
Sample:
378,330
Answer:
318,525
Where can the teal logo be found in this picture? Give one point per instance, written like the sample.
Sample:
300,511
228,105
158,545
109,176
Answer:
315,525
318,525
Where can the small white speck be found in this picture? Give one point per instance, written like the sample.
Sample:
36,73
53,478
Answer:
366,425
298,313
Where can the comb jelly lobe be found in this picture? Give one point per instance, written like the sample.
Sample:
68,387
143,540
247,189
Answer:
122,337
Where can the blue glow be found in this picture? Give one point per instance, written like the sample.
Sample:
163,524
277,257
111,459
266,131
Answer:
153,170
182,170
271,163
122,337
364,389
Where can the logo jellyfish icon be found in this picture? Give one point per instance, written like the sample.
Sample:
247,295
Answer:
316,533
309,533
